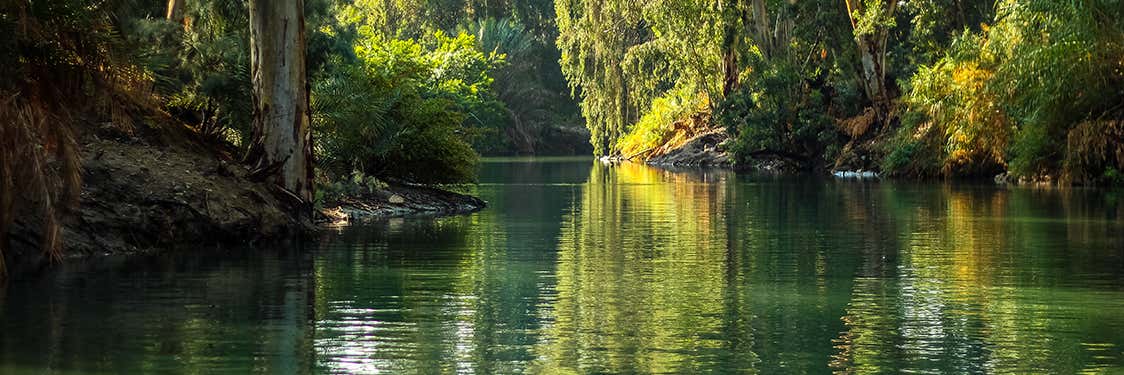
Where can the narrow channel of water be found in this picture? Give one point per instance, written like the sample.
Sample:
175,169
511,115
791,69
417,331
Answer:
577,267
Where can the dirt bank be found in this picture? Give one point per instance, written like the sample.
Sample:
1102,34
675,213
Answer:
703,150
160,187
399,199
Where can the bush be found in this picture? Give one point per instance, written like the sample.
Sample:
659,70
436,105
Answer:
404,111
657,126
780,115
1015,95
911,152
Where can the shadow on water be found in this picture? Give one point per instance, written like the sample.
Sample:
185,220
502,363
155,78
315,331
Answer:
579,267
215,311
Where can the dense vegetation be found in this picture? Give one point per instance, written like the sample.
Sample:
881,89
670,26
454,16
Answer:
416,90
411,91
918,88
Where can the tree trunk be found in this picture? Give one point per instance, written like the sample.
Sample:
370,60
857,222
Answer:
761,28
281,146
874,72
730,18
175,11
872,54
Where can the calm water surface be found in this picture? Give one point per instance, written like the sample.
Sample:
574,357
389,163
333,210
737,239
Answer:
581,268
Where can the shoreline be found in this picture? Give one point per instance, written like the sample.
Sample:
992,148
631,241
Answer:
398,200
707,150
158,187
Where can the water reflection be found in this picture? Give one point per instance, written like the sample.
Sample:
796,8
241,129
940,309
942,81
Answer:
578,267
175,313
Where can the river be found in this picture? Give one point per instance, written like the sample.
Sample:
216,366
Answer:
579,267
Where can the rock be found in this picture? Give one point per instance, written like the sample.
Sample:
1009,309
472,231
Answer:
704,150
859,174
1002,179
400,199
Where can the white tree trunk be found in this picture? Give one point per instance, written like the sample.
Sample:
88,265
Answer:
281,146
872,55
175,11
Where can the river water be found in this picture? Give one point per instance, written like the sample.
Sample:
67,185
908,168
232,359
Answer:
578,267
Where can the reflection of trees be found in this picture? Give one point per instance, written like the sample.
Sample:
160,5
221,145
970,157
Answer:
640,275
385,295
649,271
214,311
963,296
790,269
469,286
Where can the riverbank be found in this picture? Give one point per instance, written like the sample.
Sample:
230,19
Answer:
154,187
398,200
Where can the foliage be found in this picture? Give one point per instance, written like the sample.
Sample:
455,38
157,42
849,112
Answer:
592,56
656,127
532,106
1027,92
358,185
399,111
778,115
957,103
912,153
619,68
935,24
530,86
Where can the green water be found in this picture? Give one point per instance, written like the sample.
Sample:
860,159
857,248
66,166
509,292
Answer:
581,268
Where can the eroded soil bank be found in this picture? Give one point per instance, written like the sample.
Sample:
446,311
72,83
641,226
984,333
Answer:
151,188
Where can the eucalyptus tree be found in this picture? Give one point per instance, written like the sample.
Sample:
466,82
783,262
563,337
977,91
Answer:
872,21
281,145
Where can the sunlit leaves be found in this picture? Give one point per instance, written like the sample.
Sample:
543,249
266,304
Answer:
1014,91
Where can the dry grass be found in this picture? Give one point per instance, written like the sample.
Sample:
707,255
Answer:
857,126
40,174
1091,147
62,71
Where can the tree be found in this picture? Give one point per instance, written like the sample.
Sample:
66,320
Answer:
281,144
872,21
594,37
175,11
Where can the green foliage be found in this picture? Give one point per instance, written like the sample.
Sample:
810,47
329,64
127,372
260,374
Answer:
934,24
401,111
535,105
202,66
1013,94
619,68
954,98
592,56
872,17
658,124
530,107
778,114
357,185
911,153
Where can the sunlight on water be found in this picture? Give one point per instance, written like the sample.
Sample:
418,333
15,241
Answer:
578,267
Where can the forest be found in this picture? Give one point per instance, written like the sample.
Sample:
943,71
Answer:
921,88
561,186
358,92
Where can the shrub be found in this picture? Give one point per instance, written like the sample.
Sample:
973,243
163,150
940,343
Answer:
404,111
780,115
1016,94
657,126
